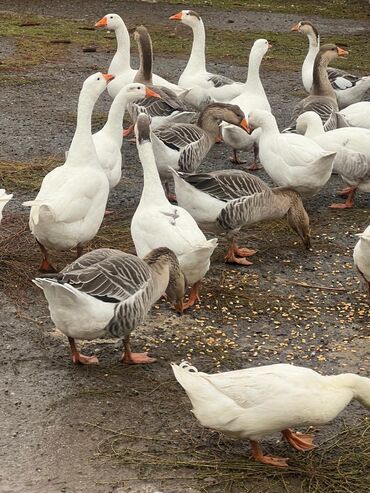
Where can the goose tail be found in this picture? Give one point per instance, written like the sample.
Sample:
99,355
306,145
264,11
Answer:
38,207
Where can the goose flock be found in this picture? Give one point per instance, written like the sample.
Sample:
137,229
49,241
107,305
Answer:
108,293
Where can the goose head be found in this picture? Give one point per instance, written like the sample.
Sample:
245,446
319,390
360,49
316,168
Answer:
261,46
142,129
305,27
96,83
218,112
298,219
188,17
135,91
260,118
330,52
110,22
309,122
161,258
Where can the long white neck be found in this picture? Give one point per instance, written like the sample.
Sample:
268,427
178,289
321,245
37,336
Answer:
269,127
152,191
253,77
121,60
113,125
360,386
82,150
197,60
307,67
314,128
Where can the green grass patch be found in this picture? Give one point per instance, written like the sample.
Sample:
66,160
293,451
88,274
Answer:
350,9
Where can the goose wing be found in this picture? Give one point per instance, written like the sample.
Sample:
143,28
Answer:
227,184
220,80
352,165
108,274
325,107
341,80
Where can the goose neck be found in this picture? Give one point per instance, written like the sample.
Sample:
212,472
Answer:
255,59
197,60
321,85
144,74
359,386
210,124
117,110
313,41
82,147
152,191
121,60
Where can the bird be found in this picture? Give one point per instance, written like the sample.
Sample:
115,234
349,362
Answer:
254,402
357,114
322,98
120,65
228,201
291,160
348,88
156,222
252,97
352,147
361,257
107,293
69,207
4,199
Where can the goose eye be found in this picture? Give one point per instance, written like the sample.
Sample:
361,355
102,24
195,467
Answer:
138,87
98,78
111,16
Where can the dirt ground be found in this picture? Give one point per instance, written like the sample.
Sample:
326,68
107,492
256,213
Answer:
113,428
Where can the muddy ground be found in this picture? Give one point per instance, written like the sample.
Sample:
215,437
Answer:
113,428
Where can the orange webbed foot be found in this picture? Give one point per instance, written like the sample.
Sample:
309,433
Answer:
137,358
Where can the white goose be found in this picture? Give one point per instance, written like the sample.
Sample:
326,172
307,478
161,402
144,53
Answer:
348,88
252,97
255,402
357,114
108,141
230,200
70,205
195,73
157,222
291,160
107,293
352,146
361,256
120,65
4,199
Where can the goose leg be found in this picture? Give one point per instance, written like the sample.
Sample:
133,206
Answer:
235,158
45,264
77,357
345,191
348,203
170,196
257,454
130,358
254,166
128,131
236,255
193,298
299,441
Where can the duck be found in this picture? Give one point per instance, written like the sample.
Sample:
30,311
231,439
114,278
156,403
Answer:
167,109
108,140
4,199
352,161
222,88
183,146
254,402
252,97
357,114
291,160
69,207
348,88
107,293
156,222
361,257
230,200
322,98
120,65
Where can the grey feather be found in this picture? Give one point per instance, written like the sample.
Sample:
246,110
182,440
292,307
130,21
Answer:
220,80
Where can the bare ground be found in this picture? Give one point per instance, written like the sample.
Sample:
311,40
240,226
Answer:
128,429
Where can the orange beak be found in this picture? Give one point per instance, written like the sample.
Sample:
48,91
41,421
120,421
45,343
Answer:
176,17
108,77
149,93
244,125
102,23
295,28
342,52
